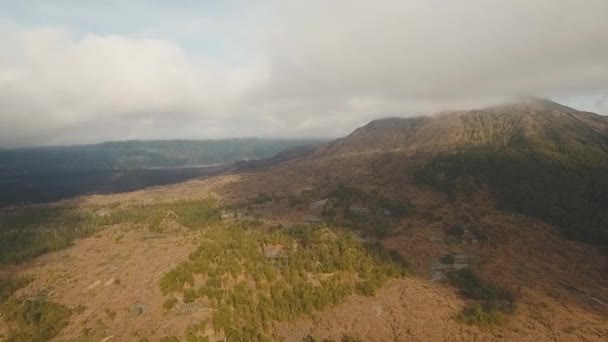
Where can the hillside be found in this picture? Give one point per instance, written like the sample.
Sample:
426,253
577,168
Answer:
45,174
129,155
470,226
536,157
532,123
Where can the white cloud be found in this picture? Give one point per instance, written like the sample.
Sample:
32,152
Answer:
50,81
437,50
314,68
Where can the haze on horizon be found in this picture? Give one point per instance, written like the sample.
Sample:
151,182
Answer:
89,71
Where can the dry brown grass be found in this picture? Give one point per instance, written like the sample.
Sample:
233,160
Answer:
554,279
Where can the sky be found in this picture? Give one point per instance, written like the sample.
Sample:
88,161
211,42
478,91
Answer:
81,71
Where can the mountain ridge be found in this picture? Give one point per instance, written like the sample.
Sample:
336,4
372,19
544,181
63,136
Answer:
525,123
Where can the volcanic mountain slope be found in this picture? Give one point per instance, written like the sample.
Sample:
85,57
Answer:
531,123
536,157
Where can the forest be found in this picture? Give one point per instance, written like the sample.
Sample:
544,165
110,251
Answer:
488,302
46,174
367,212
566,191
256,278
131,155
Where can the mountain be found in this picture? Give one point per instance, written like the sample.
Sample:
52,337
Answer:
44,174
535,157
532,123
131,155
279,158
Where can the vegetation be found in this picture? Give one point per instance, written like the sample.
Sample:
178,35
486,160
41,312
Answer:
28,233
490,301
170,303
31,232
369,212
46,174
345,338
448,259
456,231
140,154
254,278
9,285
568,191
193,214
35,320
479,314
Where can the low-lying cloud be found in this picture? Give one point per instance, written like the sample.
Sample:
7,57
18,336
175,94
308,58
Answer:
314,68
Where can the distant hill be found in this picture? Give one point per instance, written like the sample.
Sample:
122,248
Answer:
44,174
536,157
131,155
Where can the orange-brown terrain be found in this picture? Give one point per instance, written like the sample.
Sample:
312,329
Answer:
110,279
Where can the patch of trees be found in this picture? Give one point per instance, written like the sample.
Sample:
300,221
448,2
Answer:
30,232
32,320
369,212
139,155
35,320
251,289
194,214
8,286
490,302
570,193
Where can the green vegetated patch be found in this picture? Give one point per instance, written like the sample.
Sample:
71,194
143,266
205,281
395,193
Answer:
369,212
30,232
256,278
571,193
265,199
490,302
345,338
194,214
32,319
35,320
8,286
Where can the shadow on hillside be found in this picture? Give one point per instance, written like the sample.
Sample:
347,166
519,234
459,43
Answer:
44,188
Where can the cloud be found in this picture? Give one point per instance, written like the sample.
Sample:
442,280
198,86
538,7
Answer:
51,82
292,68
433,50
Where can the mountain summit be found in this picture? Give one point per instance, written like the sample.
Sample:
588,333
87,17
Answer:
531,122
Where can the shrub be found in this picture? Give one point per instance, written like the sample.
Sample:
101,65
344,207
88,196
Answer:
456,231
351,338
170,303
447,259
480,315
491,301
190,295
9,285
35,320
